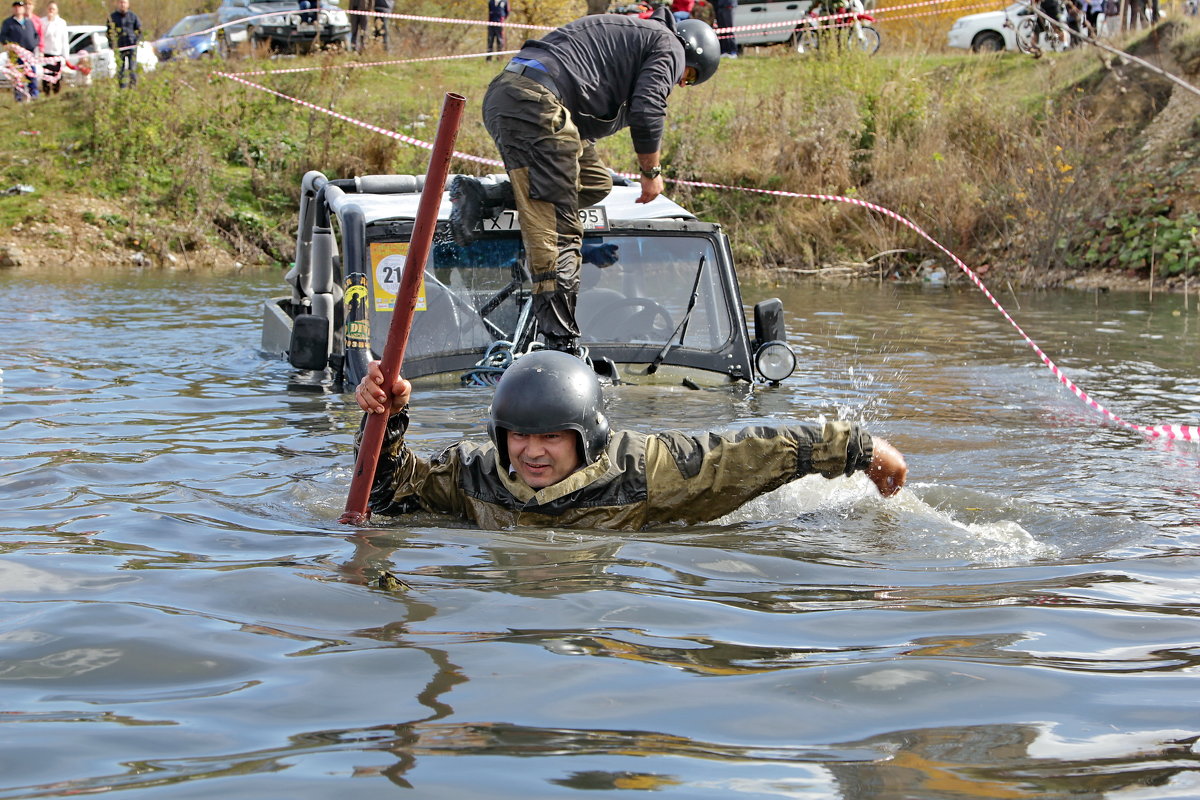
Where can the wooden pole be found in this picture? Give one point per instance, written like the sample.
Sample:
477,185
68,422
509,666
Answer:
356,512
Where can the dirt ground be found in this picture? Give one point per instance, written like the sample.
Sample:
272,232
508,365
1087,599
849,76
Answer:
75,233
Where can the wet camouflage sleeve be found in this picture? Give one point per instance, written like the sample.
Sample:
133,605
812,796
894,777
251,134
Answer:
405,482
700,478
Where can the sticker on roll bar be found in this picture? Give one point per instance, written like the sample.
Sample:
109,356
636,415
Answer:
594,218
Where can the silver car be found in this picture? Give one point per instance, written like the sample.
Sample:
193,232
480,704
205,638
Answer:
761,12
282,25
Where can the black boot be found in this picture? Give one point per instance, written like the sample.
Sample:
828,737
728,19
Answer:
466,209
564,344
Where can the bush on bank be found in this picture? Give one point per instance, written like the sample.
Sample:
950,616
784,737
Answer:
1022,164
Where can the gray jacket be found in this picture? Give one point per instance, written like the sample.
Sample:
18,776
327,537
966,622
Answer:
614,71
640,480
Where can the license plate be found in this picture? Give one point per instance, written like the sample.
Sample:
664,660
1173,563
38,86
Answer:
593,218
506,221
302,28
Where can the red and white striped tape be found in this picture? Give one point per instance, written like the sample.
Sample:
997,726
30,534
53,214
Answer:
1189,433
361,64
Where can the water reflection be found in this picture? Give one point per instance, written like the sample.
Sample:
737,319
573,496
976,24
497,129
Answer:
183,613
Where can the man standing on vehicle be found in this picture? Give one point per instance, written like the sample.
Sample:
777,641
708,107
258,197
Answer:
124,35
552,460
582,82
20,39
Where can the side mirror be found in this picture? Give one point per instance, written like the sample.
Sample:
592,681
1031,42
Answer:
773,359
309,346
768,322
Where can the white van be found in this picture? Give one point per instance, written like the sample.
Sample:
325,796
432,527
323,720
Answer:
759,12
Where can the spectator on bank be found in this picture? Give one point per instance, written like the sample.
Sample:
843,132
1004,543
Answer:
54,50
17,34
725,20
682,9
1074,21
358,24
382,24
124,35
38,24
497,13
1092,9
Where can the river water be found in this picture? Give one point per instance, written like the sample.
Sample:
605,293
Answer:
181,611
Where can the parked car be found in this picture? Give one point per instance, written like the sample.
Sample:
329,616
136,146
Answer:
758,12
192,37
92,41
987,32
90,56
992,31
747,13
279,24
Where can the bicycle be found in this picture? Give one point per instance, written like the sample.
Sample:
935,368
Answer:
850,29
1035,33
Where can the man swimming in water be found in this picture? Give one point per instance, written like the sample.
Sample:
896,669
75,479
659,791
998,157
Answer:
552,460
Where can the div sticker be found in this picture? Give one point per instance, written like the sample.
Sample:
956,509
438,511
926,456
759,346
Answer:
387,265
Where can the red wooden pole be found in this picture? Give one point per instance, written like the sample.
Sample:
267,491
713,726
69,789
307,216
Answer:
356,512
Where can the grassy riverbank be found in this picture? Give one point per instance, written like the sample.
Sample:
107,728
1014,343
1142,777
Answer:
1039,168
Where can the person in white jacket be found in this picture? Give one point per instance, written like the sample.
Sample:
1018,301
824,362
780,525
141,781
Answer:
55,51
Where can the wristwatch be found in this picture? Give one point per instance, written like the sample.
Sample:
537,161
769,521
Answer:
652,173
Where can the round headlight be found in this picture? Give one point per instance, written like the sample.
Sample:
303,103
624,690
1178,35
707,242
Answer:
775,361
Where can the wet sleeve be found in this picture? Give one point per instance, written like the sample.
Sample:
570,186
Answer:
699,478
405,482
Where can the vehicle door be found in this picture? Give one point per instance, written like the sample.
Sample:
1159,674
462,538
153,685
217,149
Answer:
231,13
758,12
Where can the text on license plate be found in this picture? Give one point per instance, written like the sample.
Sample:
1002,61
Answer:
594,218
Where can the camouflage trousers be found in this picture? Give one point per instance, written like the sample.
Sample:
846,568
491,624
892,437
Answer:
554,173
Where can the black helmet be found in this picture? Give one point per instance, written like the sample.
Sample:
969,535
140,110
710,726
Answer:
546,391
700,47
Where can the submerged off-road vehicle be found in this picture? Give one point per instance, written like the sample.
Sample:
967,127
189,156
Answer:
659,300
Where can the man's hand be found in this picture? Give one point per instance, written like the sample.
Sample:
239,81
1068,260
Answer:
373,399
888,471
651,188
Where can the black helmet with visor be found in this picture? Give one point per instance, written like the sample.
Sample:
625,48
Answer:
701,50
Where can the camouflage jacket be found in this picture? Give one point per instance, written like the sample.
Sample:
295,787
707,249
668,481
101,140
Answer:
640,480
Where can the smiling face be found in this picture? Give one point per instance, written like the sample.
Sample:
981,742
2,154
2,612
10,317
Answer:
544,459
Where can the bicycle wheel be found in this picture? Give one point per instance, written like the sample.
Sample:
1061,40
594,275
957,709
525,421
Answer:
862,39
805,40
1027,35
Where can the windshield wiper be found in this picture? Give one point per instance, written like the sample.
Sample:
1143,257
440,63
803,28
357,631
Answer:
681,328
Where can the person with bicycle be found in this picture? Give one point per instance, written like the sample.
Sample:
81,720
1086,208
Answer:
1056,35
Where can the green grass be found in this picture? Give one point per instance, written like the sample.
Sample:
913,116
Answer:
978,150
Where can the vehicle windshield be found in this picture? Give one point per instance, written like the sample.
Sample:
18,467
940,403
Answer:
190,25
475,295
